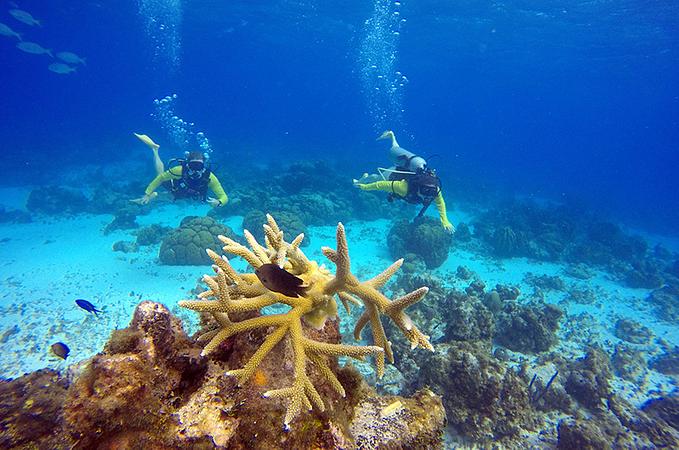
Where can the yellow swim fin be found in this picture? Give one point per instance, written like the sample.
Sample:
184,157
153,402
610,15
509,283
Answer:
386,135
148,141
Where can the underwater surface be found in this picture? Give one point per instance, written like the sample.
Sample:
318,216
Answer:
444,224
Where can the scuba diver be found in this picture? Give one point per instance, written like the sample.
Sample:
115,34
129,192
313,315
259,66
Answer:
410,180
186,178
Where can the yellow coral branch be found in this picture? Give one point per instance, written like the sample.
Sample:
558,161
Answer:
231,292
255,360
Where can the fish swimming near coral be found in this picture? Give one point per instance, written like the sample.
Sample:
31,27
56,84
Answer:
87,306
7,31
32,47
60,349
25,17
61,68
71,58
280,280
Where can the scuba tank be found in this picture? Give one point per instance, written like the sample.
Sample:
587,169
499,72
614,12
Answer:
406,160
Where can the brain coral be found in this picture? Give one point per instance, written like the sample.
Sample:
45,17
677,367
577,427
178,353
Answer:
186,245
424,238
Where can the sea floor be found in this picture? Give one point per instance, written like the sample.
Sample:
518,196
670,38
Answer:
46,265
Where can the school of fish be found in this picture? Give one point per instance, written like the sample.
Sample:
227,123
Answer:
66,62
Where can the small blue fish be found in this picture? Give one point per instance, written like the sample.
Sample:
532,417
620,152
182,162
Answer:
87,306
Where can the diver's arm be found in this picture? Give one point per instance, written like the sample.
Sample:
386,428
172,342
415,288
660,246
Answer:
399,187
217,188
441,206
160,179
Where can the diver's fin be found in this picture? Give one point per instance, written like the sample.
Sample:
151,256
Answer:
148,141
389,135
386,135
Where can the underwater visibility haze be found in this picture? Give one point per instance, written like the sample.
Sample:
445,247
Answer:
445,224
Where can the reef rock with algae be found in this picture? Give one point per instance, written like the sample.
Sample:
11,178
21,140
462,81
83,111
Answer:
151,388
234,293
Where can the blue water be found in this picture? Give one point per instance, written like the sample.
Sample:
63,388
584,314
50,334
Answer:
574,98
571,99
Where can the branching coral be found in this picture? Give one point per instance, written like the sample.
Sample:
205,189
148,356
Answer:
231,292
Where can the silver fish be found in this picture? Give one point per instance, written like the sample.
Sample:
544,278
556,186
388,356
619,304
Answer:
25,17
32,47
71,58
61,68
7,31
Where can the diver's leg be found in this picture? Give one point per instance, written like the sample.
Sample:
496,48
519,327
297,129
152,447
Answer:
157,162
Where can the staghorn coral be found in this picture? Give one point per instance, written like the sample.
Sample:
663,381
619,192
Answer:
235,293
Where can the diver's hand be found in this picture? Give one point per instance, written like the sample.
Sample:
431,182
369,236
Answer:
361,186
145,199
214,202
449,227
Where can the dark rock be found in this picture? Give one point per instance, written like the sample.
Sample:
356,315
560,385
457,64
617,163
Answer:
484,400
462,232
31,414
124,219
467,318
667,363
57,200
588,381
666,302
581,435
125,247
628,363
631,331
528,328
545,282
14,216
152,234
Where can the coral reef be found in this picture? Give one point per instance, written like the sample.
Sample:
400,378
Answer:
588,380
545,282
667,363
151,388
56,200
632,331
484,400
288,221
236,293
629,363
151,235
186,245
665,301
125,247
315,200
124,219
468,319
581,435
528,328
424,238
506,242
14,216
30,409
462,232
